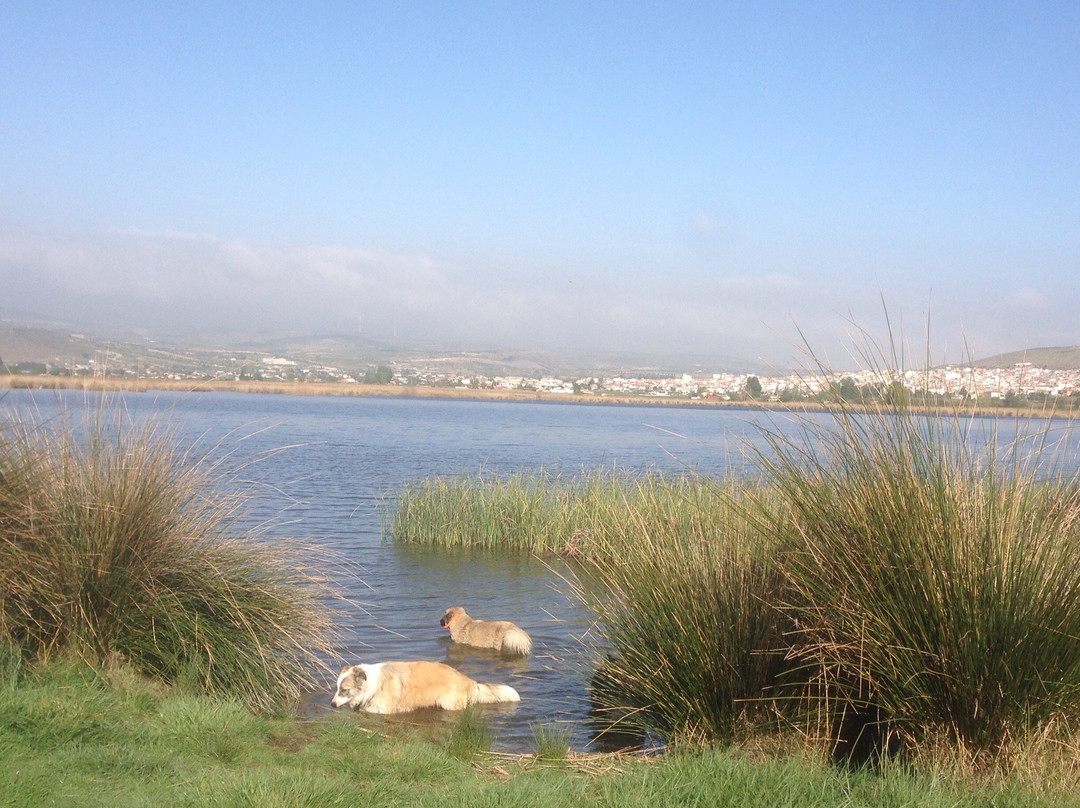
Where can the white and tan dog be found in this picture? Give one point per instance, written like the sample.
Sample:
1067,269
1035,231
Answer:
401,687
502,635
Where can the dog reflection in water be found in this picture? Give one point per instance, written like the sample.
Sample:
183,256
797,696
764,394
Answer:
502,635
401,687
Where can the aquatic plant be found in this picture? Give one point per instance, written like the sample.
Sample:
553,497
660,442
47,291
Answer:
550,514
116,545
535,513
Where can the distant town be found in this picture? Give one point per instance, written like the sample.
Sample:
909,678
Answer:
1020,385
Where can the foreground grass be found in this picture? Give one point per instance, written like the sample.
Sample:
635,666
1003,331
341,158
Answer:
70,737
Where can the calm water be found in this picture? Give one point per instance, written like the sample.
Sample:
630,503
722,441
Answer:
327,469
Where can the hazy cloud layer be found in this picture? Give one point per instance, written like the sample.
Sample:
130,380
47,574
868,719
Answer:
190,283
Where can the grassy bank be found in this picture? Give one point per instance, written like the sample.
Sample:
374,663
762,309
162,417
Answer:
72,736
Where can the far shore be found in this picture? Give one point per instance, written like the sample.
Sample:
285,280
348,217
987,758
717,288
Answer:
111,384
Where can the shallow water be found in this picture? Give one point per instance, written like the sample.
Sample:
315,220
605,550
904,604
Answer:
324,471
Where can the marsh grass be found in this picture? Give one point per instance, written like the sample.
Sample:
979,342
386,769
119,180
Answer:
548,514
114,543
692,643
934,576
524,512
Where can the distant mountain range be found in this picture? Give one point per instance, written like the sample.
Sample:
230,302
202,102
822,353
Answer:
52,343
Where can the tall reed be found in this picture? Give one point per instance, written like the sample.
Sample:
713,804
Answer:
116,544
549,514
536,513
685,596
933,575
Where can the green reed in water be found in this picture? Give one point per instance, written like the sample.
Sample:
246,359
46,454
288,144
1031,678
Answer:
691,638
546,514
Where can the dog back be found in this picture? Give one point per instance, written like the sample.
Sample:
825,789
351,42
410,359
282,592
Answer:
502,635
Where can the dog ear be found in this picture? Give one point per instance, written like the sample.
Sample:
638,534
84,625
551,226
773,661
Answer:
345,669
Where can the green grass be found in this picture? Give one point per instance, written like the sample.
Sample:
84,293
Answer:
551,740
70,737
115,545
469,734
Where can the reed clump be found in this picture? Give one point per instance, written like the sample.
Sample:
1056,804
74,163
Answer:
933,576
116,546
693,644
549,514
535,513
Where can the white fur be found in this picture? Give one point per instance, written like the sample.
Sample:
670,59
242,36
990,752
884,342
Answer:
371,686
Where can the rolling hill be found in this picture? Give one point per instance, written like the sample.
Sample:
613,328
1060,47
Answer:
1061,358
52,344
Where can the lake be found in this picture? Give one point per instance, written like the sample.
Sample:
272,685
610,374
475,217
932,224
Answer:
325,470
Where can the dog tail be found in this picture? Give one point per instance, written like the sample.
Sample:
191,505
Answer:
516,641
492,694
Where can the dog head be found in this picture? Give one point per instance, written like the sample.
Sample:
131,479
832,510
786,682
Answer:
452,614
351,687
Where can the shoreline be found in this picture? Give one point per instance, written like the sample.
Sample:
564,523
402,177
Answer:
123,385
117,385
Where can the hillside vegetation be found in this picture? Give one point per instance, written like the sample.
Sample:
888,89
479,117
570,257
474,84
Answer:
1062,358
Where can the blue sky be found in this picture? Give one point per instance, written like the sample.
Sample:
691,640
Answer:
658,178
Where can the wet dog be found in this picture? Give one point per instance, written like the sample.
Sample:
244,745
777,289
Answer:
401,687
502,635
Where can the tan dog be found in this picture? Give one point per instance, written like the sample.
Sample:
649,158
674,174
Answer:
401,687
502,635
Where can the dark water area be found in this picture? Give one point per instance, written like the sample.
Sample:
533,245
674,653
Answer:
325,470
